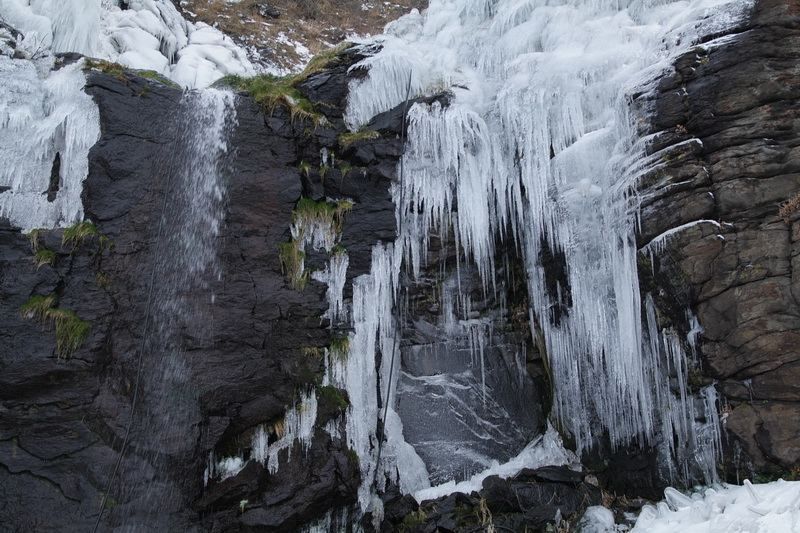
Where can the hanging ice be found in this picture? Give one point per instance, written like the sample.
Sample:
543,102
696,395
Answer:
47,125
536,147
298,425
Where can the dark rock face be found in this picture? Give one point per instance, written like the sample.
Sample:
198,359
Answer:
728,135
226,367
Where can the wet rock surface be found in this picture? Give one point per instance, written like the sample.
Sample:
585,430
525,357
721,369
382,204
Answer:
726,139
533,500
237,361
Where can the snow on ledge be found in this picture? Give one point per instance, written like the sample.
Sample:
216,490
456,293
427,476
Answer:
148,35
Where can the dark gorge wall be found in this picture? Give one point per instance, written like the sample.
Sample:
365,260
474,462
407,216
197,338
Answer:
727,153
225,367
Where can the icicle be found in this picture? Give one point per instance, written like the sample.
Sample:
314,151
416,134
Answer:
335,275
535,143
298,425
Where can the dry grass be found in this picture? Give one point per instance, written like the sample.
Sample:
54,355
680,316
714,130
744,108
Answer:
317,24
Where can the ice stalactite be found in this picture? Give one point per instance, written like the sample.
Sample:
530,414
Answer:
335,276
358,372
297,425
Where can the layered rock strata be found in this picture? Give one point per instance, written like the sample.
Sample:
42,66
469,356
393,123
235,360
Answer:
721,224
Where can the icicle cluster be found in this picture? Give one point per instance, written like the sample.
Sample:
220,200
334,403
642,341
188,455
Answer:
335,276
298,425
47,126
537,147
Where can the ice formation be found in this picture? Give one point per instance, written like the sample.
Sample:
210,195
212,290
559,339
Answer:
537,147
763,508
298,425
47,125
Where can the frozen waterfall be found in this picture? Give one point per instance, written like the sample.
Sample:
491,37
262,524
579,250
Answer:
538,149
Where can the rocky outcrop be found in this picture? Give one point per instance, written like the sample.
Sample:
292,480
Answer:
533,500
726,145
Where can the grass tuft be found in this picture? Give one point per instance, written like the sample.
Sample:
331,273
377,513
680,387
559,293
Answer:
270,90
38,306
44,257
71,331
78,233
153,75
33,235
347,138
107,67
292,260
340,348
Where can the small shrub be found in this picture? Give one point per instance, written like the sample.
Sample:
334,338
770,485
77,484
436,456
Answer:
347,138
78,233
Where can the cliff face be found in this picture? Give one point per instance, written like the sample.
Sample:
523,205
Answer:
728,139
725,125
233,364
